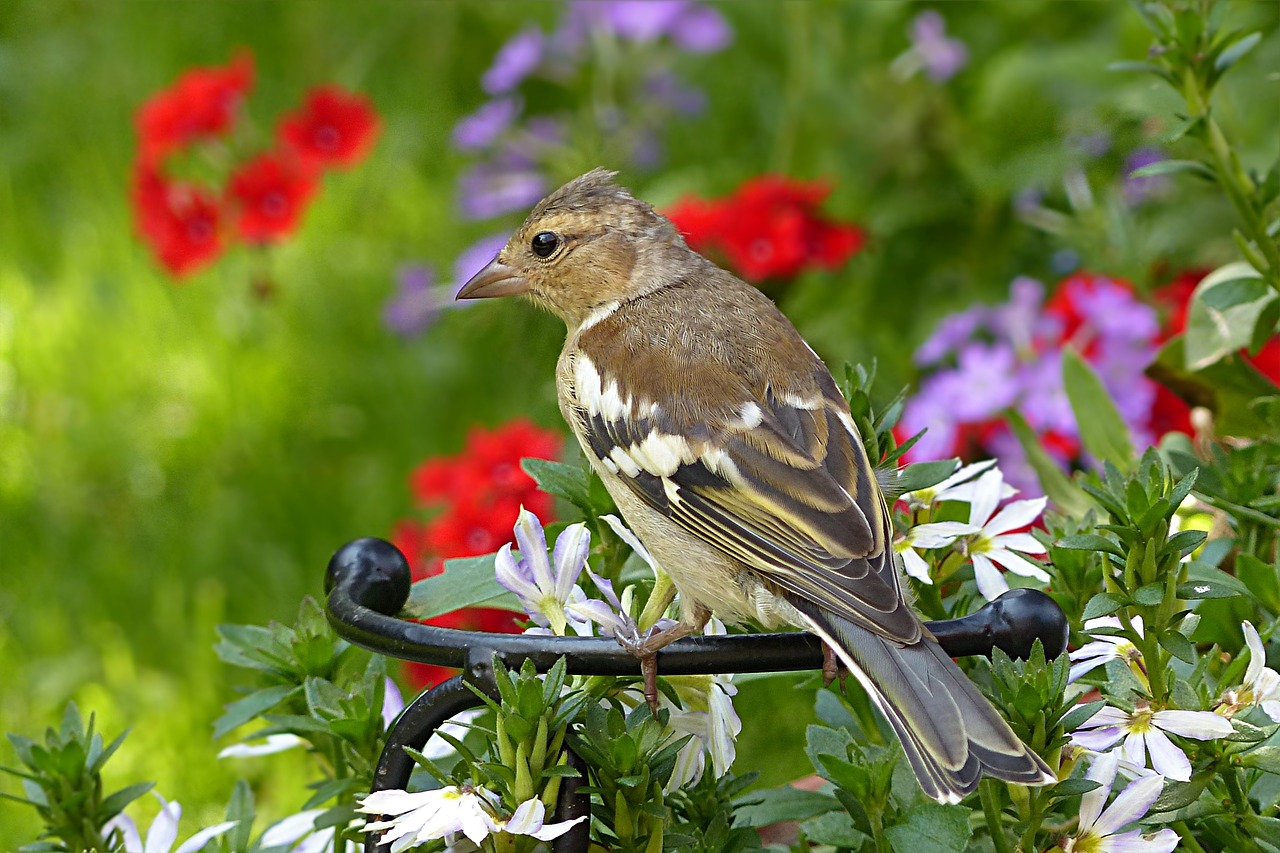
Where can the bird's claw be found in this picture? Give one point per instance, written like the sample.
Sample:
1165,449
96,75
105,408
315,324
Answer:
833,669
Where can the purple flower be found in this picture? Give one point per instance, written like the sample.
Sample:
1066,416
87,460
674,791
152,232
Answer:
416,304
499,186
932,409
474,258
514,62
1021,321
482,127
940,56
670,91
985,381
1090,144
695,28
1044,400
953,332
1140,189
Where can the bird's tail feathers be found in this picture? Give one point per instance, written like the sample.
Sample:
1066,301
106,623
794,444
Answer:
950,732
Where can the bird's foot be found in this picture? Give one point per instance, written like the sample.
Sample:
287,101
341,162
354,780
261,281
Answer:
646,648
833,668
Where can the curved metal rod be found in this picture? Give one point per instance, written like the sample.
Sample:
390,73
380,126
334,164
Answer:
419,722
368,582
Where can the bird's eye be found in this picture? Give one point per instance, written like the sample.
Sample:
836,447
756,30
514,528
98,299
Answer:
544,243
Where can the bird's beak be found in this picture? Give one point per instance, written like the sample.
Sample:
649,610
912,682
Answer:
496,279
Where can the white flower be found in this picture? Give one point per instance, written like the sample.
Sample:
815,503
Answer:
542,593
991,541
1261,685
938,534
1144,732
708,714
958,487
162,833
300,830
473,811
1099,829
1107,647
268,746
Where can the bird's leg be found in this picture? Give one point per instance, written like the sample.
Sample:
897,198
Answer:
832,668
647,651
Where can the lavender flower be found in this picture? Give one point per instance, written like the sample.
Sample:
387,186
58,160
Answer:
1099,829
693,27
499,186
515,61
1141,189
416,304
941,56
482,128
542,592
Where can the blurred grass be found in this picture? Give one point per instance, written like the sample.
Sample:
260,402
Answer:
172,457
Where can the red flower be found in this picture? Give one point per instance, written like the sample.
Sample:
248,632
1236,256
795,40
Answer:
770,228
202,103
335,128
482,489
272,191
181,223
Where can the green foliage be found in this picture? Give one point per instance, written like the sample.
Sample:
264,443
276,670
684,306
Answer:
62,781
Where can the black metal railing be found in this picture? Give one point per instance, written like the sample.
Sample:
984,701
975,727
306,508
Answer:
368,582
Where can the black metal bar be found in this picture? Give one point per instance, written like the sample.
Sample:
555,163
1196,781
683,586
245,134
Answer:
368,582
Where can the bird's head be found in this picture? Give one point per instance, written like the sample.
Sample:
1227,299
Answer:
587,246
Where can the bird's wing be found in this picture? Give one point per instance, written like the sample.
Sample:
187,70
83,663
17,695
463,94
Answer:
781,483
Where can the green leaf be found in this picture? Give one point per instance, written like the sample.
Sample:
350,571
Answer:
1080,714
932,828
1103,431
1262,580
922,475
1090,542
1178,646
1061,490
1265,758
1228,387
243,710
781,804
564,481
1150,595
1227,308
115,803
1237,49
1103,604
835,828
1073,787
465,582
1169,167
1206,581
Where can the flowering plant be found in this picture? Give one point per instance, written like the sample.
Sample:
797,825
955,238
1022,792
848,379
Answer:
192,130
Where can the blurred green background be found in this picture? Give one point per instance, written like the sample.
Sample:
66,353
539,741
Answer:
174,457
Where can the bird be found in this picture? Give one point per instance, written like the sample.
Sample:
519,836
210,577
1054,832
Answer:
731,453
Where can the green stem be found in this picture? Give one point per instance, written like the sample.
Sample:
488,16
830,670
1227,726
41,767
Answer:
1033,825
1188,838
1238,798
995,826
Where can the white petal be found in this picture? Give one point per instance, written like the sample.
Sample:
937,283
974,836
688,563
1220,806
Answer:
625,534
963,475
1134,749
508,574
1098,740
1024,542
527,819
1015,515
915,565
291,828
1107,716
1131,804
319,842
533,549
474,822
1257,654
1201,725
571,550
1018,565
128,832
1167,759
1272,709
164,829
270,746
1102,622
938,533
724,728
986,495
555,830
1164,841
1102,771
204,836
394,801
990,582
392,702
1086,666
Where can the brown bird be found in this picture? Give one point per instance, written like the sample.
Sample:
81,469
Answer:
731,453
